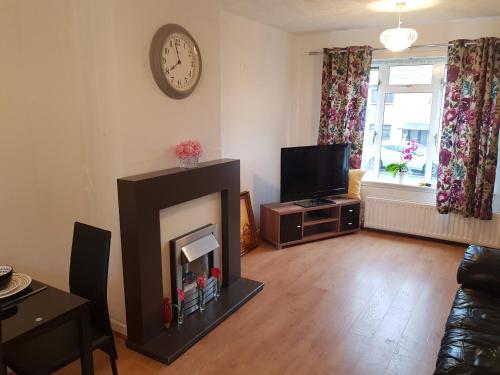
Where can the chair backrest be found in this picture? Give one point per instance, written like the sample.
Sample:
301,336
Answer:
88,274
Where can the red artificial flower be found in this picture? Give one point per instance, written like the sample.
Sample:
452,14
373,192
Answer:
180,295
200,281
215,272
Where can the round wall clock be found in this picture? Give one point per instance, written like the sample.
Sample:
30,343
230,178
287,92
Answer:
175,61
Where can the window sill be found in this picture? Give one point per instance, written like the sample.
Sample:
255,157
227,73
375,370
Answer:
398,186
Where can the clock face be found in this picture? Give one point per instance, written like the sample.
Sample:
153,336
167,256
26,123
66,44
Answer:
175,61
180,62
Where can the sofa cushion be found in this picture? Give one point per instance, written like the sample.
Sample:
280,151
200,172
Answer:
476,311
465,351
471,343
480,269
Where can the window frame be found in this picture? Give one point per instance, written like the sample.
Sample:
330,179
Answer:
436,88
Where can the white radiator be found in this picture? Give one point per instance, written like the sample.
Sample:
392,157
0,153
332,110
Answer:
423,220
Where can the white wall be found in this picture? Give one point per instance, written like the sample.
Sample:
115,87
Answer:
41,153
257,85
150,123
305,126
79,109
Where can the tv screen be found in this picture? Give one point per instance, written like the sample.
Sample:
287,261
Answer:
314,171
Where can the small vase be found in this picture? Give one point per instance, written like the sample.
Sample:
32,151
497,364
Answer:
217,289
402,176
189,162
201,299
180,313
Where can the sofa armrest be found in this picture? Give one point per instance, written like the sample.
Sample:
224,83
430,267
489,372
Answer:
480,269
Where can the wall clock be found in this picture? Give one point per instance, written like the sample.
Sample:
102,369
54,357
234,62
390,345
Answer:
175,61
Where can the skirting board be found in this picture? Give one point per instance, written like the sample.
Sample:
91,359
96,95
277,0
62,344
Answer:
118,327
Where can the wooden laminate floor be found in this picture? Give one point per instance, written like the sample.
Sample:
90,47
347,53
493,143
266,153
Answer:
368,303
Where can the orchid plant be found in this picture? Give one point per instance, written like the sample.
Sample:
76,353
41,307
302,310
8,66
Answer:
406,156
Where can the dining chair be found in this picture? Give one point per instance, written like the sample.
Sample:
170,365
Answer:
88,278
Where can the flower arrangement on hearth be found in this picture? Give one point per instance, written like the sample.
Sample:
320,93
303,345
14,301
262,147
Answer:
215,272
180,306
200,283
406,156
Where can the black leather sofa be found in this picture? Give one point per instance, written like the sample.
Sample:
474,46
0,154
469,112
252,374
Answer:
471,343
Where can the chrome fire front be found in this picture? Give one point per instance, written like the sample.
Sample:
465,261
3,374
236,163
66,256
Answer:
192,255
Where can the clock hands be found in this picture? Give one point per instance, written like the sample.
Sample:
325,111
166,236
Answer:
177,51
178,58
183,78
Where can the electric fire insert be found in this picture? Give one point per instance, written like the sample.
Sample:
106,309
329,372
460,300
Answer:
192,255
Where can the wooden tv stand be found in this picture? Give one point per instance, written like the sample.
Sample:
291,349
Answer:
285,224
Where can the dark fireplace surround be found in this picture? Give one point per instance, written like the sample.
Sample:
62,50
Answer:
141,197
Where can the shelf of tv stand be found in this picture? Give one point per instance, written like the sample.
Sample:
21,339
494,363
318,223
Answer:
286,224
319,221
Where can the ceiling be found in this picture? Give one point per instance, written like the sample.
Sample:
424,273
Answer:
302,16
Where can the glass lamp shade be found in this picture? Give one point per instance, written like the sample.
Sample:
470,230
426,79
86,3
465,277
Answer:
398,39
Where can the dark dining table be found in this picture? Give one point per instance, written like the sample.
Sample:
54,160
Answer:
41,312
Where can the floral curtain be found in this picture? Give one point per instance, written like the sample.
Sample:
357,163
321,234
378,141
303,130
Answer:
344,91
469,140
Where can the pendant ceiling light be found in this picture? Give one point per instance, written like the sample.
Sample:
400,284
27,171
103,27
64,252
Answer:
400,38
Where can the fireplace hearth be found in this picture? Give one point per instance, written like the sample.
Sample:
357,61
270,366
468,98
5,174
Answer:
140,199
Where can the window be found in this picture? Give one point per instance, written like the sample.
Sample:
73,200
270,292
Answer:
386,132
410,75
371,134
404,103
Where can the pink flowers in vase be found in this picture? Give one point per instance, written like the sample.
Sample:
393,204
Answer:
188,153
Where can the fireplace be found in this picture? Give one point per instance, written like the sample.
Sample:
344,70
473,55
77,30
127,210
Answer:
192,255
140,198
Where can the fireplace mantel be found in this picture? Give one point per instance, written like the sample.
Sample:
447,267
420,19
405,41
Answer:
141,197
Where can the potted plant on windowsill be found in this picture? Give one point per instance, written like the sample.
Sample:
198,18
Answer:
401,168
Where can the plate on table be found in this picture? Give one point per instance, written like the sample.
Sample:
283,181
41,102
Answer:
18,283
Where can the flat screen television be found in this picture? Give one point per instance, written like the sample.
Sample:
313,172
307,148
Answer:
312,172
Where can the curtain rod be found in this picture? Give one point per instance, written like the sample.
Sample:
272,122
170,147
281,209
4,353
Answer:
415,46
